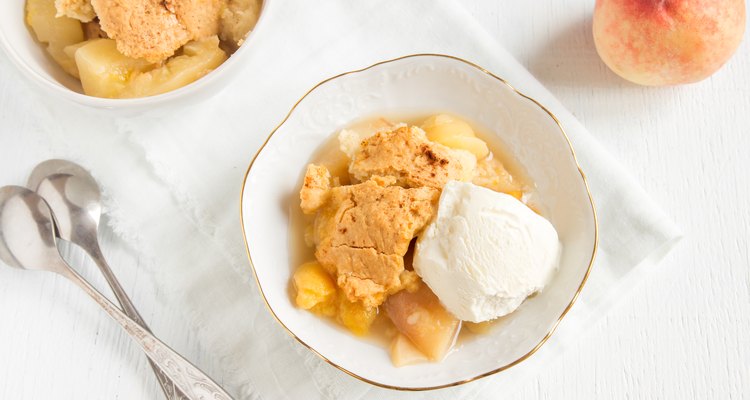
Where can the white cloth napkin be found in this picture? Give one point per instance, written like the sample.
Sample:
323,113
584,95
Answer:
173,182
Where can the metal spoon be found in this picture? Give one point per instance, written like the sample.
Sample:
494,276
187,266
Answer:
75,200
27,241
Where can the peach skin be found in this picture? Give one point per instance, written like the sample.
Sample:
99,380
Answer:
667,42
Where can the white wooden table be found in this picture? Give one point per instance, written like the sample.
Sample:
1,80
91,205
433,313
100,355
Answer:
683,334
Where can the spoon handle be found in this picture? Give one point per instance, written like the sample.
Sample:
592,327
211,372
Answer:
187,377
171,391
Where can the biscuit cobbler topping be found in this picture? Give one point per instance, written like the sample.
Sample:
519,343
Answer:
387,187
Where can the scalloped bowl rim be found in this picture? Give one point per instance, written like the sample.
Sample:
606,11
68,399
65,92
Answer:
595,233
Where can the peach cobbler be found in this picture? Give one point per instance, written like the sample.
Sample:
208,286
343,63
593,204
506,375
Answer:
138,48
414,231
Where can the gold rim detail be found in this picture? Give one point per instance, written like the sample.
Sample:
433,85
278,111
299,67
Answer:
483,375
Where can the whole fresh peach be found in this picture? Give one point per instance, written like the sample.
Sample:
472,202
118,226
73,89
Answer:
667,42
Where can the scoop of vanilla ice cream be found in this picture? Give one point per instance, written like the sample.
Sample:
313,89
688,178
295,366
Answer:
485,252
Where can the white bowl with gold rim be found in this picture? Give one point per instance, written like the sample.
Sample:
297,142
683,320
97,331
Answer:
419,83
31,58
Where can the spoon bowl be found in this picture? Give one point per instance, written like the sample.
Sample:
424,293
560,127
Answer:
73,195
27,231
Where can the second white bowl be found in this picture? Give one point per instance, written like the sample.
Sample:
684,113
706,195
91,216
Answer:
31,59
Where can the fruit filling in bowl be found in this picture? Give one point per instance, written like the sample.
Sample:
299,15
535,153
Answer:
139,48
409,232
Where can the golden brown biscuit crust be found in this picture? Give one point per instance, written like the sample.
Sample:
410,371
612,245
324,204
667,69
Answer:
200,17
78,9
315,188
407,155
364,231
154,29
142,28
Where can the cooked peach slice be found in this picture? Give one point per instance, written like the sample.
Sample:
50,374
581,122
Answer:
67,64
105,72
421,318
493,175
355,316
473,145
443,126
198,58
403,352
316,290
454,133
70,51
56,32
